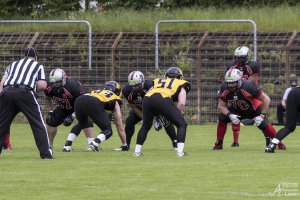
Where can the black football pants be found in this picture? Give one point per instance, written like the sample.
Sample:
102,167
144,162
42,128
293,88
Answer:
15,100
91,107
133,119
292,113
157,105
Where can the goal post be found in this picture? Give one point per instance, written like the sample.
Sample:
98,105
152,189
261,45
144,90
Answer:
205,21
60,22
200,100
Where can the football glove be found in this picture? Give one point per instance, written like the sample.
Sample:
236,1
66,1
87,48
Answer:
259,119
68,120
161,121
50,117
157,126
111,116
234,118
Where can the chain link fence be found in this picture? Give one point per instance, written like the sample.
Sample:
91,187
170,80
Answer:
201,55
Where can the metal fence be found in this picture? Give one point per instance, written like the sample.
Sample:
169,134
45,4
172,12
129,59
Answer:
202,56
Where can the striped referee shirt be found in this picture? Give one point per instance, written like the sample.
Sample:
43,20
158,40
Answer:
25,72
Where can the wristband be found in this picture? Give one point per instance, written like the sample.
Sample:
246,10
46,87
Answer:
263,115
229,113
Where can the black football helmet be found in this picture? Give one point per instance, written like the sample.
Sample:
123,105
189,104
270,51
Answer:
174,72
113,86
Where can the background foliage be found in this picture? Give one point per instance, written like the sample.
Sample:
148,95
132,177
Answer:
42,8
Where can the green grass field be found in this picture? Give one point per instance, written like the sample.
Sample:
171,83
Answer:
242,173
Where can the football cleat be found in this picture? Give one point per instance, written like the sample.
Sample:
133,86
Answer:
235,144
137,154
88,148
67,149
270,148
181,154
94,146
281,146
7,146
218,147
122,148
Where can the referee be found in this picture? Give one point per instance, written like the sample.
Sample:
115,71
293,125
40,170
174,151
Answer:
20,82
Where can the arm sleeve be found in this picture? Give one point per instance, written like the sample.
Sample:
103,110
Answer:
187,87
253,89
126,92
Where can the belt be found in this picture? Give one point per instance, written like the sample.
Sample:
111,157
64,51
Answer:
19,86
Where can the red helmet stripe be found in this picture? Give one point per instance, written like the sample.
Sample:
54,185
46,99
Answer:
53,72
230,71
132,75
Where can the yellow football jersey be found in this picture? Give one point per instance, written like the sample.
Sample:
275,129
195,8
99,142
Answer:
107,97
168,87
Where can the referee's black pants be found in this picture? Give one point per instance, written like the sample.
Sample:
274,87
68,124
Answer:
157,105
292,114
14,100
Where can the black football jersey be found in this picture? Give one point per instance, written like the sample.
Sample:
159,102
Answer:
244,100
66,95
136,97
252,67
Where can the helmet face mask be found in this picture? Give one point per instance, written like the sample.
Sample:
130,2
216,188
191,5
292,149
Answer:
113,86
233,79
242,55
136,81
174,72
57,78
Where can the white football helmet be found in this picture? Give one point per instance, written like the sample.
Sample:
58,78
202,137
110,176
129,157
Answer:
242,55
232,76
57,76
136,79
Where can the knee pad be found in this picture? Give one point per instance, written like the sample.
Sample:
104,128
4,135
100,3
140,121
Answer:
90,125
51,121
224,118
184,124
263,125
107,133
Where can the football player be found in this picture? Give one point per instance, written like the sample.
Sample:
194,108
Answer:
160,101
250,71
63,91
134,92
242,99
292,114
96,105
6,144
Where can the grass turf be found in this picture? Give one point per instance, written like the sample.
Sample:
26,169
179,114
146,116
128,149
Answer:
246,172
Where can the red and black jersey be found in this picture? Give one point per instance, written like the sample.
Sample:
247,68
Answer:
252,67
136,97
244,100
65,96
